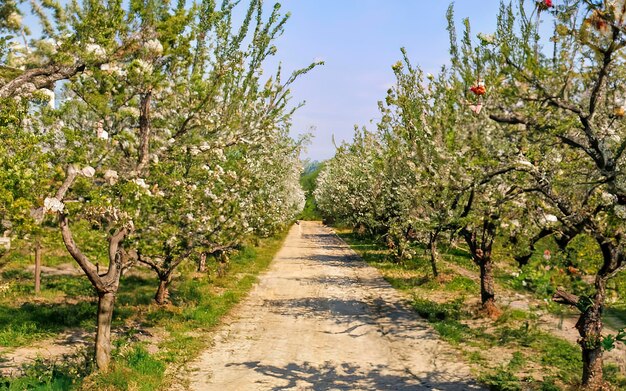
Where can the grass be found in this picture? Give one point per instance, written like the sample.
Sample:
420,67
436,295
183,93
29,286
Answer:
44,376
199,301
508,354
197,308
33,321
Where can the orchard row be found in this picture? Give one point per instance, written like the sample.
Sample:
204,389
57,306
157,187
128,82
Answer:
154,123
522,137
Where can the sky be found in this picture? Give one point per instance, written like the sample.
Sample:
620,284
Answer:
359,41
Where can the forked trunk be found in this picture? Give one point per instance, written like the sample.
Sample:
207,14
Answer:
589,323
107,284
106,303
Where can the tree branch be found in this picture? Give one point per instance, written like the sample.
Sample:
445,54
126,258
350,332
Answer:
38,78
72,173
565,298
115,256
84,263
144,131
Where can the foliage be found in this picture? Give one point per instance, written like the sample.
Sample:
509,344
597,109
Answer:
514,143
170,141
308,182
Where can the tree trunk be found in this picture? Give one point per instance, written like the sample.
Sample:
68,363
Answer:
432,244
480,248
202,263
487,286
107,284
106,303
37,267
162,293
589,326
522,260
589,323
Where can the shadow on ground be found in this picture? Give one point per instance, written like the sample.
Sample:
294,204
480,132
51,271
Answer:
385,317
345,376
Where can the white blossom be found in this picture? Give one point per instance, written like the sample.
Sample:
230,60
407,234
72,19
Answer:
487,39
102,134
143,67
154,46
141,183
96,50
129,111
14,20
111,176
50,95
608,198
88,171
53,205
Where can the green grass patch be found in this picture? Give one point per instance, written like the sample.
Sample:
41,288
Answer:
462,284
135,369
501,379
29,322
612,375
198,303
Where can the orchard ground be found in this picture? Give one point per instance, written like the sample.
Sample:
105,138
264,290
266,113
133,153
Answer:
319,317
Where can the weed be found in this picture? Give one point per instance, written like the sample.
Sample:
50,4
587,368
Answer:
434,312
517,362
462,284
502,379
47,375
612,375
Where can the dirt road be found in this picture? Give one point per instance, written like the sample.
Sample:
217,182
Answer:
320,319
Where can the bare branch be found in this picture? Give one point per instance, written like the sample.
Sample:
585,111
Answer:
512,119
72,173
43,77
144,131
115,257
562,297
84,263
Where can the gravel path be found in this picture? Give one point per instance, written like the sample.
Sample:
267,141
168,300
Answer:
321,319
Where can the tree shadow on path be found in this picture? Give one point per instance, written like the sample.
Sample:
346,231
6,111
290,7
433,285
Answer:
346,376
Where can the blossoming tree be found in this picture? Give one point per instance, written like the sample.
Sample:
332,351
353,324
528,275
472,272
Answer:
165,136
567,107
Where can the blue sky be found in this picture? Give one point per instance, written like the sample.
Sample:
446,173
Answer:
359,40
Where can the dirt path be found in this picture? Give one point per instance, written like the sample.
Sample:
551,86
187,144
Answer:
321,319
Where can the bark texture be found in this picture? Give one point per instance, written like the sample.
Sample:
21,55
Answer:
432,244
106,303
162,294
37,267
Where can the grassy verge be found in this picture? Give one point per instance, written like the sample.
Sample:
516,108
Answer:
179,331
511,353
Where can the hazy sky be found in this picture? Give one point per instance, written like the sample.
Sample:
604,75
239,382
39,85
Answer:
359,40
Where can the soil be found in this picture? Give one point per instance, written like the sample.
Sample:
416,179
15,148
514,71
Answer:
58,349
321,319
563,326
